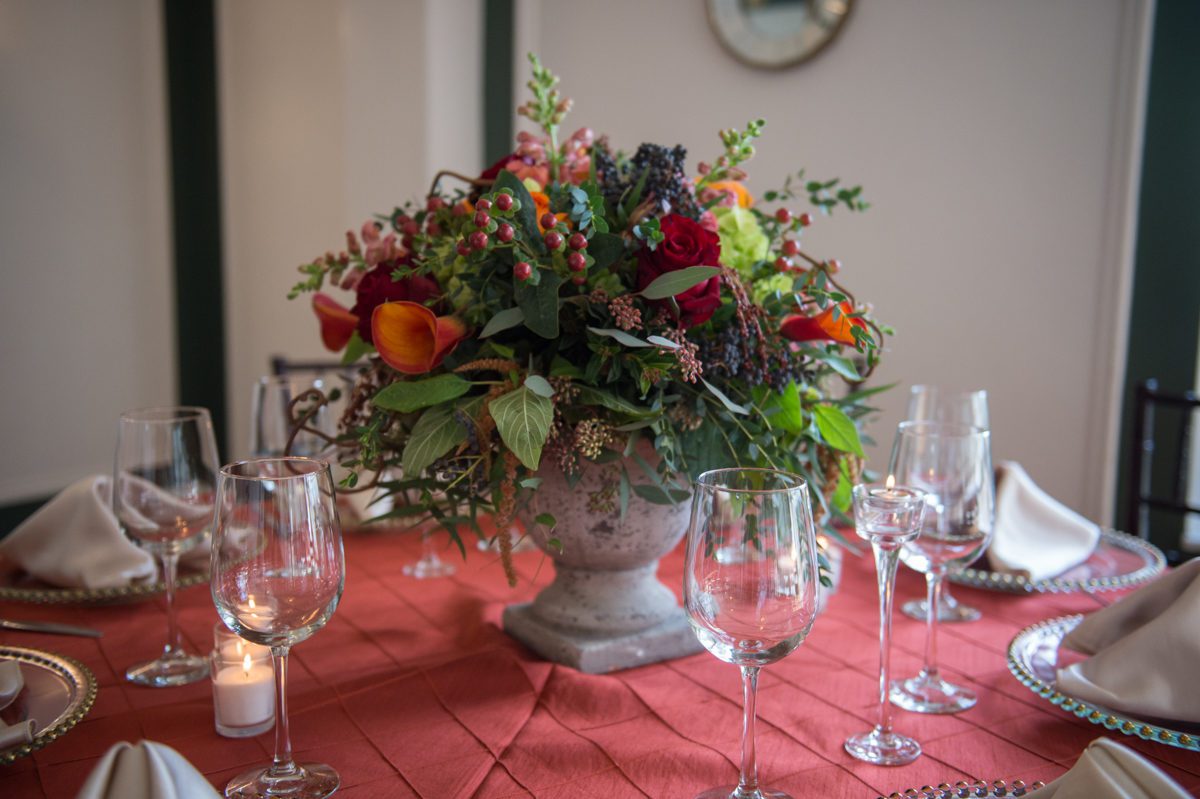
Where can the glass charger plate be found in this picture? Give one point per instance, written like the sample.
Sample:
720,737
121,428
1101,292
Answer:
1119,561
17,586
1033,659
58,692
960,790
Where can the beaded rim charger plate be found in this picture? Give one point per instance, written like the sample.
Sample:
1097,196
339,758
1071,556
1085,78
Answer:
1119,561
961,790
1033,660
58,692
17,586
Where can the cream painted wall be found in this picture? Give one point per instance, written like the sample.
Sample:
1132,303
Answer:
86,308
330,112
998,143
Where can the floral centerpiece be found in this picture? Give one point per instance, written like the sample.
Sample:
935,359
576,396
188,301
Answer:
582,309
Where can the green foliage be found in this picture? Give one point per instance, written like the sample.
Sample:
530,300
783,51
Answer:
405,396
523,419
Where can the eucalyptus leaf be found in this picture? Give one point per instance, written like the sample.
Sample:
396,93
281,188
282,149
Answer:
659,341
503,320
671,283
729,404
596,396
670,496
619,335
540,386
523,420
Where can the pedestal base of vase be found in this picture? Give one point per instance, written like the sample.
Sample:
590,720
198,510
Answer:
598,653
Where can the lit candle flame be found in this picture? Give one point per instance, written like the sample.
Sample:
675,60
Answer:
890,483
251,603
246,663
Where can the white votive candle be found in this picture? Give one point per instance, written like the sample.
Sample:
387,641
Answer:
244,694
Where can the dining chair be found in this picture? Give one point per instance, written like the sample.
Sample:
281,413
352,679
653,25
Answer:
1161,473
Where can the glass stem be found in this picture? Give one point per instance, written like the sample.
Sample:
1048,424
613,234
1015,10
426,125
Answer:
283,765
886,561
428,551
747,787
933,584
170,568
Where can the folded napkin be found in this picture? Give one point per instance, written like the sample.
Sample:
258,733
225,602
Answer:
11,683
1109,770
74,540
147,771
1036,535
1144,650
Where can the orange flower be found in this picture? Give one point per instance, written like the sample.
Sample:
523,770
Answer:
337,323
411,339
823,327
542,203
740,193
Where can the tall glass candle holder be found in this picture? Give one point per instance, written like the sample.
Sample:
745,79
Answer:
243,685
887,516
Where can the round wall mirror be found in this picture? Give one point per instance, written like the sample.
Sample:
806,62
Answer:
773,34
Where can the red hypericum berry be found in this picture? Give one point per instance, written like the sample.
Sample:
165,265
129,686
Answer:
459,209
522,270
409,227
790,247
782,264
484,204
406,242
433,229
482,218
505,232
577,241
579,280
504,201
576,262
553,239
833,265
783,216
806,220
463,248
478,240
434,204
549,220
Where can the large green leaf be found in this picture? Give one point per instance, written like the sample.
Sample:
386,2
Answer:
405,396
540,304
435,434
355,349
526,218
605,249
790,416
837,429
503,320
659,496
679,281
523,420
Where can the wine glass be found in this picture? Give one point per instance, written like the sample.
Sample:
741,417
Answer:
952,464
163,478
750,583
887,516
277,576
937,404
271,412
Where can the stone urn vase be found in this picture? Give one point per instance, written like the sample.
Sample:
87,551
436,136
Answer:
606,609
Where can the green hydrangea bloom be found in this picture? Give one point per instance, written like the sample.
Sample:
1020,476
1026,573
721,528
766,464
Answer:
743,243
764,287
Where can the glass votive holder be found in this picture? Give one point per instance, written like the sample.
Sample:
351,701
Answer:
243,680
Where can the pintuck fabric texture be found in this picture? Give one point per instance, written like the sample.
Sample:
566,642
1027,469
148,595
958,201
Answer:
412,690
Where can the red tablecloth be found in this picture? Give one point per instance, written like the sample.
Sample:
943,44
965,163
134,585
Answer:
412,690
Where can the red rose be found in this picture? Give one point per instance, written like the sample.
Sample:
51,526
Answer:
377,287
684,244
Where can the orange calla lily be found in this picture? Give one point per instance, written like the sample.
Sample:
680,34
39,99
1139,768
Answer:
411,338
823,327
337,322
740,193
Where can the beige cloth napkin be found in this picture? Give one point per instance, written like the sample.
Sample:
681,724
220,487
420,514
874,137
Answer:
148,770
74,540
1144,650
1109,770
11,683
1036,535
